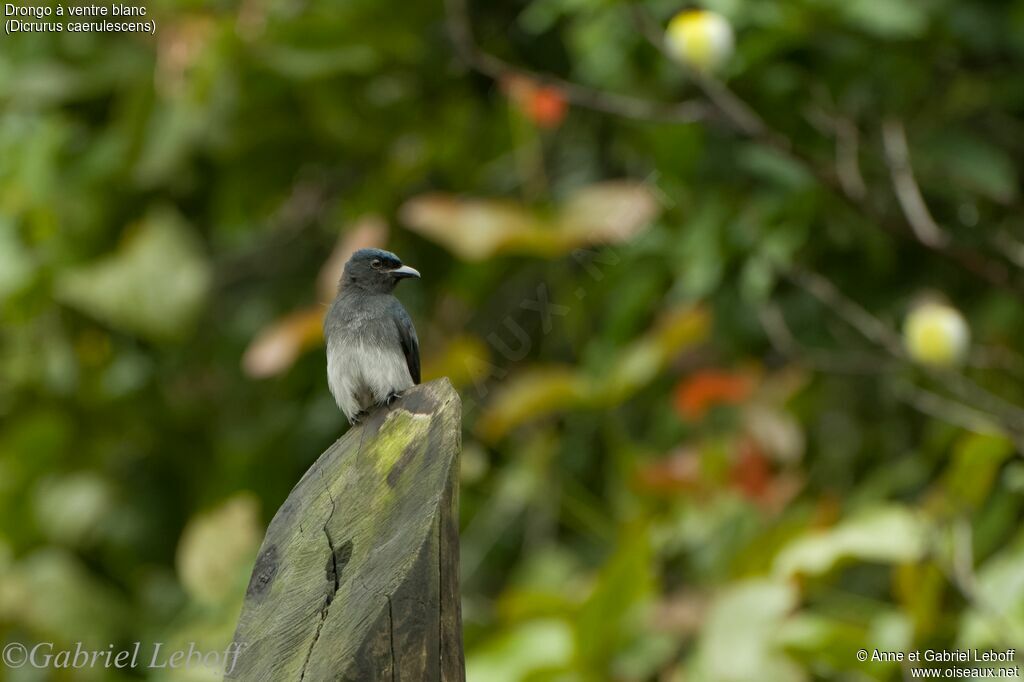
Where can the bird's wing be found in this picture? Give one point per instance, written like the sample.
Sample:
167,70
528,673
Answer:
410,344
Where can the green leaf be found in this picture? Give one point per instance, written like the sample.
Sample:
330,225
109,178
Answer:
477,229
71,509
885,19
218,548
538,391
739,640
154,285
520,651
976,165
996,614
625,584
16,263
304,64
698,253
173,131
977,459
541,15
884,534
774,167
56,595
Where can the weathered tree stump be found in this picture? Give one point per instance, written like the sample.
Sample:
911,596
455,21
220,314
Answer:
358,576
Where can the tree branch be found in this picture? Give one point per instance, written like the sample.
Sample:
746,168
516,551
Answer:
784,342
749,123
847,159
735,110
973,403
852,313
947,410
915,210
461,30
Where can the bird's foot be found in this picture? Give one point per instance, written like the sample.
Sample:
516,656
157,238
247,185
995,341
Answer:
392,397
357,418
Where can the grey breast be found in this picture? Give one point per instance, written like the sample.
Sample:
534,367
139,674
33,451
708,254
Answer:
365,363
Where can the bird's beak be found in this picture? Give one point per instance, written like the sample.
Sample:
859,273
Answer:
405,271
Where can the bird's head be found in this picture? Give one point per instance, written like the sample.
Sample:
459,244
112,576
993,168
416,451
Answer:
375,270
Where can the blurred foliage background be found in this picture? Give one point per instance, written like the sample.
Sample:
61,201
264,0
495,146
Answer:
735,312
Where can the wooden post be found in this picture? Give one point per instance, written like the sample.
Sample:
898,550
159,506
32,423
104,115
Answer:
358,577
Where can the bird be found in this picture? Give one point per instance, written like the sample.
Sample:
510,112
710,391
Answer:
373,354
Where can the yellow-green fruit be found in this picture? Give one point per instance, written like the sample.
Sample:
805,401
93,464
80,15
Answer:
700,38
936,334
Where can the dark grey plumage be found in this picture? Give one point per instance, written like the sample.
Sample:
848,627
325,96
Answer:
372,350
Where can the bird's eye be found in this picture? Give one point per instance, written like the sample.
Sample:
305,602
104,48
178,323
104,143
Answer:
375,264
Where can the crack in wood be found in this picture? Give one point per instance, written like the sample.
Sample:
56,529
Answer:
391,634
440,585
335,583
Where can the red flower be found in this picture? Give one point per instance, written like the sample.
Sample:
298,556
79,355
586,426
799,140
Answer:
697,394
753,476
751,472
544,105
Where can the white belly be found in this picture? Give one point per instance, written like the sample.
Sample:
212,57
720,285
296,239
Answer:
360,376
